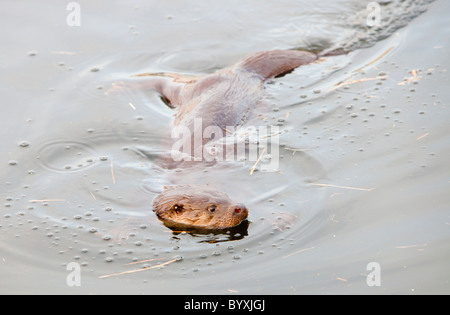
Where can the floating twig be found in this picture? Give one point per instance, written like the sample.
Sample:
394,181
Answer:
357,81
296,150
112,172
380,56
257,161
412,246
343,187
70,53
414,78
423,136
299,251
46,200
137,270
360,70
142,261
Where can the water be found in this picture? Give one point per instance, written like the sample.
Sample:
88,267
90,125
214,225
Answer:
363,175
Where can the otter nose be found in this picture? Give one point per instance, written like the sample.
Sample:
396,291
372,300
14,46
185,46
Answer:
240,208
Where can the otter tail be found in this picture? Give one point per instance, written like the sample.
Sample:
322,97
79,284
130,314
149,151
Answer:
275,63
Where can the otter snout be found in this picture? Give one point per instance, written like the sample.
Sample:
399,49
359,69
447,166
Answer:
240,209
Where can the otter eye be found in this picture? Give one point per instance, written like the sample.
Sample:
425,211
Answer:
177,208
212,208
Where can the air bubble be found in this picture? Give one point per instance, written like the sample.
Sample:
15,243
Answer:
24,144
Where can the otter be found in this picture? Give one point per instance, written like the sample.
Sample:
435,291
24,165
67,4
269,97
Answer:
197,207
222,99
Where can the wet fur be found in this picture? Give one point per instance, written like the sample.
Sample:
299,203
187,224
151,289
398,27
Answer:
223,99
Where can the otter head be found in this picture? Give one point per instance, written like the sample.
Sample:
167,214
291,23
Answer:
197,207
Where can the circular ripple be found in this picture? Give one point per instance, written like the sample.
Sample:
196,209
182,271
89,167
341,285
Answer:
66,156
188,60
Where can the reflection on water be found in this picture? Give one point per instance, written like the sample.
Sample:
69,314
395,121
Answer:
225,235
361,155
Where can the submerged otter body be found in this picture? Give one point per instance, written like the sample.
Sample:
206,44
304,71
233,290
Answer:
227,97
221,100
